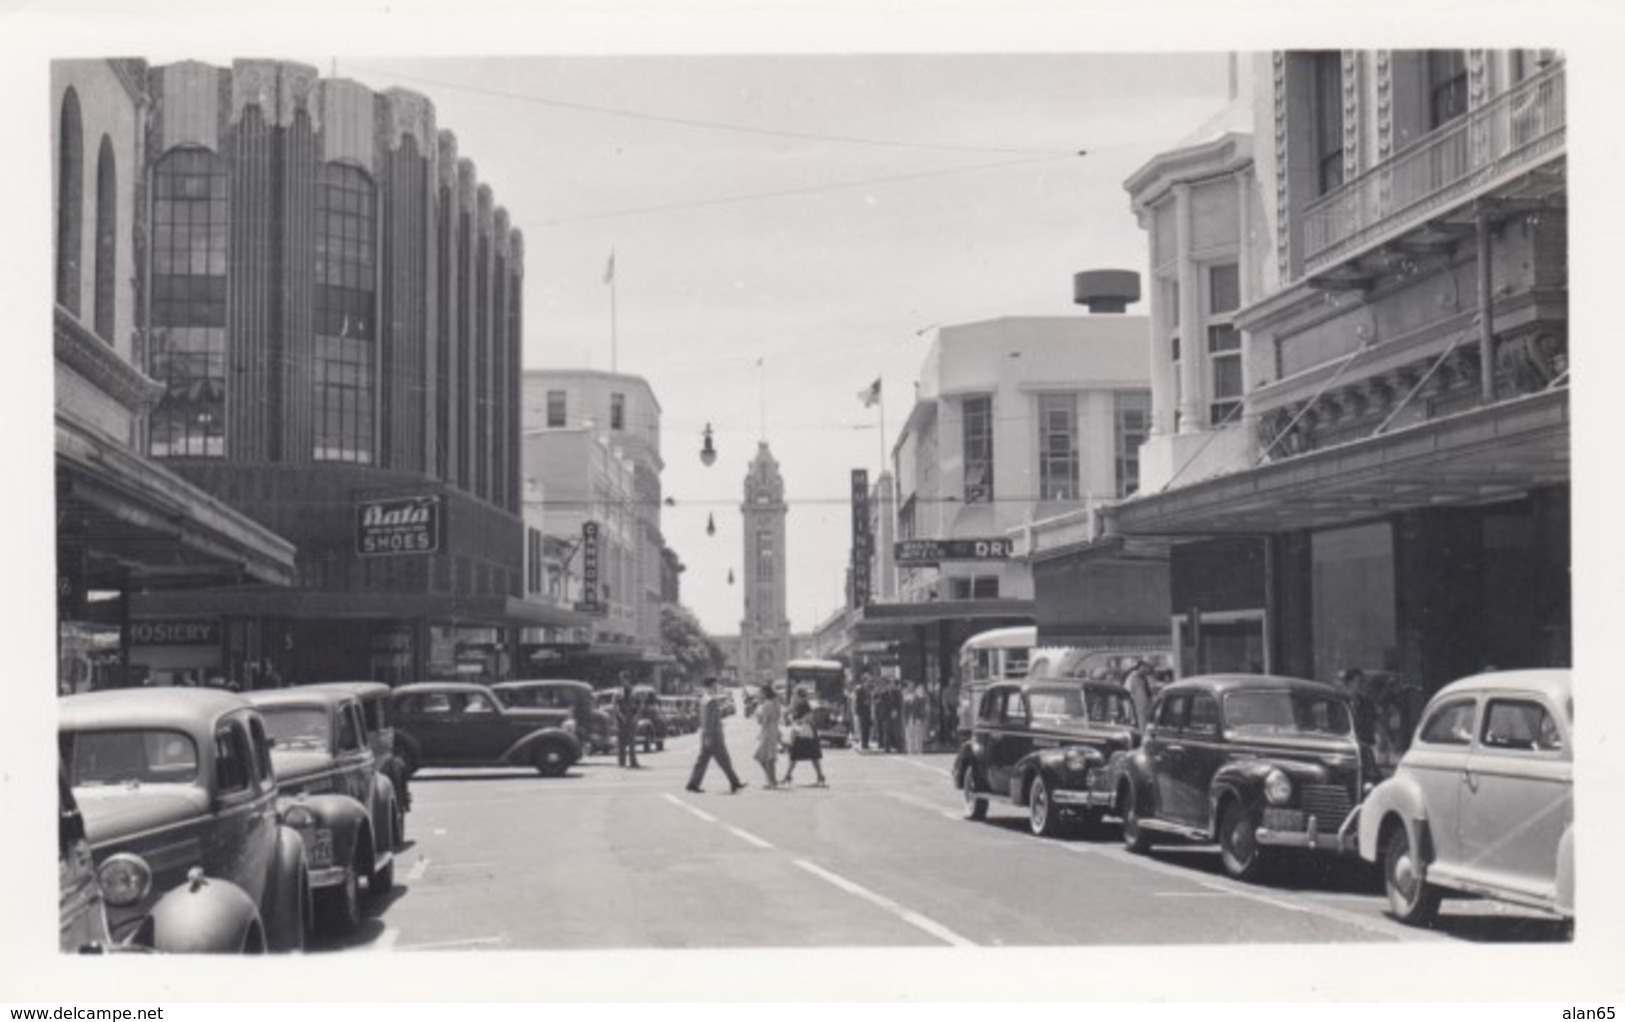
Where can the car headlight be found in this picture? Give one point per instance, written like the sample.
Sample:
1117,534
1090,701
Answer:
1077,761
125,878
299,817
570,725
1277,788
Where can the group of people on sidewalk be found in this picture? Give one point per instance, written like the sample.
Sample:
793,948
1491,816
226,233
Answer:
801,740
896,715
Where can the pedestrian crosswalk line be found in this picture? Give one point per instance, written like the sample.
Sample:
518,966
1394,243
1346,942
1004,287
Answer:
752,838
909,916
701,813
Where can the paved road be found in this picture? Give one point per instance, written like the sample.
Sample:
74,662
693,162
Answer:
610,858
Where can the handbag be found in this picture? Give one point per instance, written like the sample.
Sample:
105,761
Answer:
801,730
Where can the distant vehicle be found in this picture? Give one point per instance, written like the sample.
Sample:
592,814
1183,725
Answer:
375,698
176,791
1084,661
1482,803
1002,654
573,701
463,724
826,684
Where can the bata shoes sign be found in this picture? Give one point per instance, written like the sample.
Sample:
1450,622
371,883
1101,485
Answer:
399,525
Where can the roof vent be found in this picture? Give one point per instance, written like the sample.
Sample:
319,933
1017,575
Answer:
1106,290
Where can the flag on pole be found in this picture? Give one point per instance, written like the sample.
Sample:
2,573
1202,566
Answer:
870,395
609,268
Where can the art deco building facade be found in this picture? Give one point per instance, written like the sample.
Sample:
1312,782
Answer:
331,303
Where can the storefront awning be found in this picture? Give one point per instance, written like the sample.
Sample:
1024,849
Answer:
136,521
488,611
1479,456
899,621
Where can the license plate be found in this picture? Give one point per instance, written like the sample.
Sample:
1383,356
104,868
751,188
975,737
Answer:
321,848
1283,819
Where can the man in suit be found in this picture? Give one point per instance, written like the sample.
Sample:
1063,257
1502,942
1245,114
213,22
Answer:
626,724
711,743
863,709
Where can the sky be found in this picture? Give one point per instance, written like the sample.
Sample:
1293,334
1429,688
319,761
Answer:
817,215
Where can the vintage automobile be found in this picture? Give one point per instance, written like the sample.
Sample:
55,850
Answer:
825,684
1258,763
332,791
376,699
573,704
1482,803
1037,744
463,724
176,793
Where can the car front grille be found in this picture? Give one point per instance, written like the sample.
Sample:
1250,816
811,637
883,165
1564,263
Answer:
1330,802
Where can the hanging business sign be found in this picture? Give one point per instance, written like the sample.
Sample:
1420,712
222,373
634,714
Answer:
917,552
589,602
862,540
398,525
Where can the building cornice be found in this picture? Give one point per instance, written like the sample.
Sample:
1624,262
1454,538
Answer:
92,358
1227,154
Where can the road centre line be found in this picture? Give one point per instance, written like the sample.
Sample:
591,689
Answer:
909,916
927,766
752,838
702,814
419,868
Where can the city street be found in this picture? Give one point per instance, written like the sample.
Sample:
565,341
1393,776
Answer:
610,858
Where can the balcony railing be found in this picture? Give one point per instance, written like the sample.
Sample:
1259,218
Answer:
1511,133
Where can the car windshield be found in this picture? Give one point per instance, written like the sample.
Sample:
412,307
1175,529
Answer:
129,757
296,727
1110,706
1287,712
1055,704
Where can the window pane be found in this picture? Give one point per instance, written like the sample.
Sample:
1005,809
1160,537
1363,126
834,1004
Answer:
1224,286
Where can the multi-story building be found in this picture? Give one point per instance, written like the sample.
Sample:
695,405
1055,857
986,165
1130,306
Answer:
592,440
1360,431
764,631
126,523
1015,420
333,310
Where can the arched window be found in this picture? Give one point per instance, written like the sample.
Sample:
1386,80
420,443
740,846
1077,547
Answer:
106,238
70,201
188,318
346,285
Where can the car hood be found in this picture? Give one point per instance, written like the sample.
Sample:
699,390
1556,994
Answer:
299,764
112,812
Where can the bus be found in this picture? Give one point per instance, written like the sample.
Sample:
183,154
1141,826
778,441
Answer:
825,681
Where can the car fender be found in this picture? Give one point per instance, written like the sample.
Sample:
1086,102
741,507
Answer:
206,914
346,818
522,750
1052,765
383,808
1134,769
1565,872
1244,780
965,760
1398,796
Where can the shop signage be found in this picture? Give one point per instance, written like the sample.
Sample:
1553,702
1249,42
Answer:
398,525
174,633
589,603
862,541
916,552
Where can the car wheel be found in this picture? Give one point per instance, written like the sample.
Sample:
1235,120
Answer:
551,760
1411,899
1239,849
975,804
1042,814
1135,837
382,881
289,927
339,908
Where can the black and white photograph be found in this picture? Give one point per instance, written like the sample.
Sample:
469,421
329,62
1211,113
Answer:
906,503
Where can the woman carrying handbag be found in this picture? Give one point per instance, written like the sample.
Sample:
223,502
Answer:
804,739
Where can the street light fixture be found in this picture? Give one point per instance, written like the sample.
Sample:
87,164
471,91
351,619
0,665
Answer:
708,452
710,525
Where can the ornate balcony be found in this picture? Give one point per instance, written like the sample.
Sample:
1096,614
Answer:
1510,135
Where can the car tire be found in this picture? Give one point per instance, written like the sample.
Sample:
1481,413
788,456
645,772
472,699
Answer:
1411,899
338,909
551,759
382,881
288,931
1135,837
1243,857
1043,815
975,804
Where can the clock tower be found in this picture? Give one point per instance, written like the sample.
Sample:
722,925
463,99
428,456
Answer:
765,631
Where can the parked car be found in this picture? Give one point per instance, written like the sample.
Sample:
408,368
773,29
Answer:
176,791
1037,744
333,792
1256,762
573,703
376,699
463,724
1482,803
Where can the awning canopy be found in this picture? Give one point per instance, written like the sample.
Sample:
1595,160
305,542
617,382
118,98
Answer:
1475,457
136,521
489,611
880,621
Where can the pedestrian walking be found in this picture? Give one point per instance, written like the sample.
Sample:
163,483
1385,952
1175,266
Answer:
914,720
894,717
804,744
863,709
712,745
626,725
767,740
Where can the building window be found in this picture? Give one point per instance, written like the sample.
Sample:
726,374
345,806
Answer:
1132,416
106,237
1447,85
977,587
1223,343
188,317
617,411
1328,103
1058,446
1171,299
764,556
70,201
978,414
555,409
343,371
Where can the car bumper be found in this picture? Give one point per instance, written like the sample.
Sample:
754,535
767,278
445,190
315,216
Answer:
329,876
1079,797
1310,833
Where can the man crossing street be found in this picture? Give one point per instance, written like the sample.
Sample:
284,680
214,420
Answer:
712,745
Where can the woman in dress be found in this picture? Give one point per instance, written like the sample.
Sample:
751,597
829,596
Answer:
804,739
767,740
